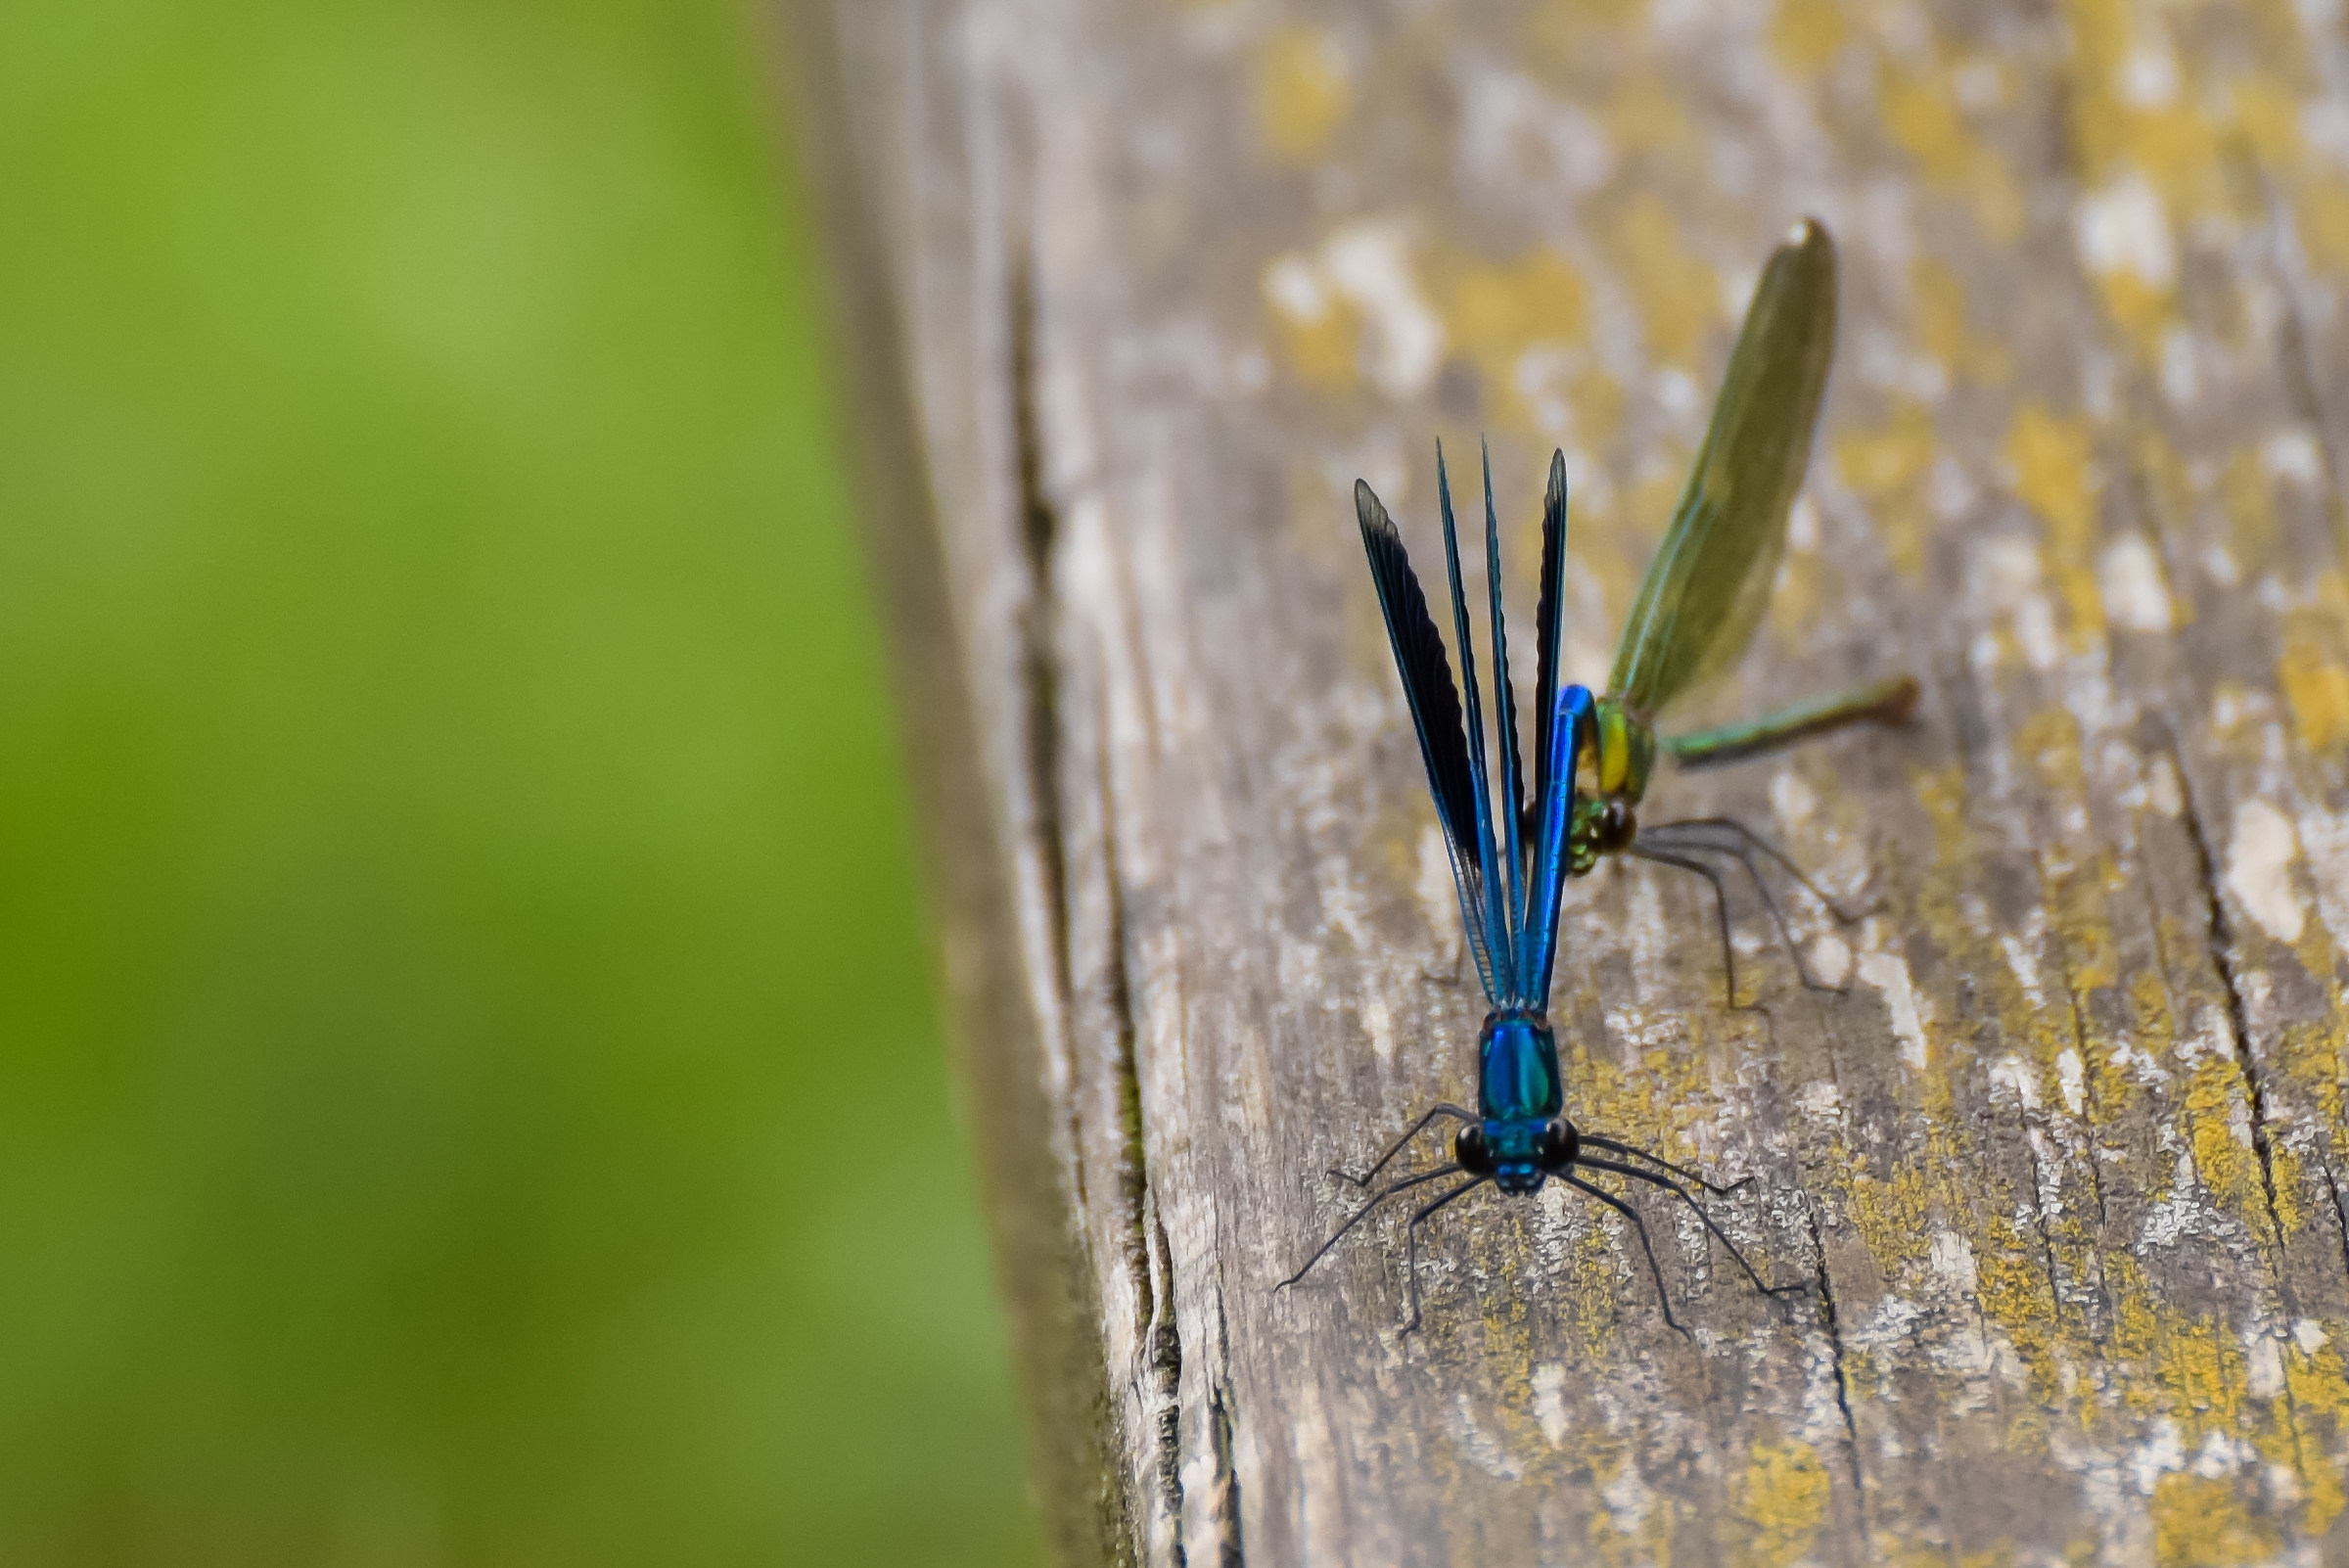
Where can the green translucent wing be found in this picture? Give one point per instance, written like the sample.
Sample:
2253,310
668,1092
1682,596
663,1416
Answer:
1706,588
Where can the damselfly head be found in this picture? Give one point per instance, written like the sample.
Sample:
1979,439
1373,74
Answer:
1603,825
1517,1156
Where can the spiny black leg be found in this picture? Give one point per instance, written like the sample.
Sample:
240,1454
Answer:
1769,903
1721,1235
1613,1146
1411,1251
1394,1149
1640,1227
1721,906
1364,1213
1733,825
1685,844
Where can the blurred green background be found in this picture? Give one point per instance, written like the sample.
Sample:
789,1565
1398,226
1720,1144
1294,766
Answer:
467,1087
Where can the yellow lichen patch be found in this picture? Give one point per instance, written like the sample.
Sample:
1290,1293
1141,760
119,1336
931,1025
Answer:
2200,1523
1891,1218
2139,296
2312,1059
2322,208
2084,922
2319,1390
2201,1379
2316,688
1921,114
2134,104
1678,295
1575,18
1648,1541
2254,537
2168,490
1302,94
1646,114
1597,400
1940,792
2270,118
2014,1293
2136,1332
1318,331
1496,313
1780,1504
2051,458
2152,147
1886,469
2214,1117
1806,35
1944,331
2315,1380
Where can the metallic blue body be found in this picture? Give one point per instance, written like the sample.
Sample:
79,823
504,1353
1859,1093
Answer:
1519,1092
1510,864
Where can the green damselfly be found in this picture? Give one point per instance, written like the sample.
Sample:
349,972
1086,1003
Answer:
1704,594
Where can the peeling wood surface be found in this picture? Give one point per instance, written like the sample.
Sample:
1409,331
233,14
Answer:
2065,1166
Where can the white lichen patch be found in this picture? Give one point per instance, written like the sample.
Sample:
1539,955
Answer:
1371,264
2129,578
2259,869
1888,973
1549,1401
2072,1080
2123,229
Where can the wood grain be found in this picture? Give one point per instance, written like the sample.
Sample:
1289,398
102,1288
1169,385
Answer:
2064,1168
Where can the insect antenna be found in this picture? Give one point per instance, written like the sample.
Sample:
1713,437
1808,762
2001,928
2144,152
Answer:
1670,1186
1364,1213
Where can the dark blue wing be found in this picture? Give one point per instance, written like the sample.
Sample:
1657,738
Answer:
1500,933
1567,720
1435,714
1511,809
1549,635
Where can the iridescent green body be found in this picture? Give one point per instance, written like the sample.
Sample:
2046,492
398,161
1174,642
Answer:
1703,597
1623,758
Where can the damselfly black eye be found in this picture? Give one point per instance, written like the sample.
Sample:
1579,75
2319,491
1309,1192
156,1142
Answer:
1472,1152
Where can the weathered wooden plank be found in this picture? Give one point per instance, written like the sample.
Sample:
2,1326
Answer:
2066,1165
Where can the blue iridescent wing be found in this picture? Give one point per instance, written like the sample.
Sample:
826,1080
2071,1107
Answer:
1563,725
1512,807
1549,635
1500,932
1435,714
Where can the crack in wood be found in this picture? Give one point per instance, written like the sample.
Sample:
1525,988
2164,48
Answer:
1834,1322
1229,1551
1040,658
2340,1209
2090,1114
1151,1255
2246,1061
1163,1349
